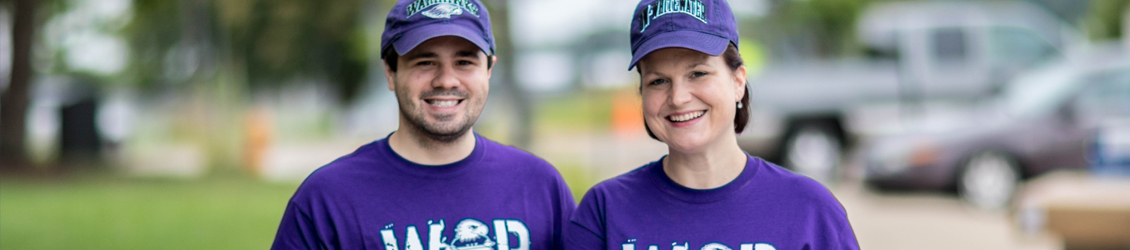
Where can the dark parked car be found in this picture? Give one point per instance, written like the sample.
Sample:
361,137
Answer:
1044,120
806,113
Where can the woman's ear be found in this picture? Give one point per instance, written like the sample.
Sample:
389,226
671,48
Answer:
739,83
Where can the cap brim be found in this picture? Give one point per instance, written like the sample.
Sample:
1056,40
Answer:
702,42
419,35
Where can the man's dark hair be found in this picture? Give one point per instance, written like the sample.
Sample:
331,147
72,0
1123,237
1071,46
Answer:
391,58
733,60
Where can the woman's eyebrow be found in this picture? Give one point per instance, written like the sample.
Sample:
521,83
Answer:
696,64
653,73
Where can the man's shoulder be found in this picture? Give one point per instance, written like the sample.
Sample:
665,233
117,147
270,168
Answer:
344,170
507,153
368,154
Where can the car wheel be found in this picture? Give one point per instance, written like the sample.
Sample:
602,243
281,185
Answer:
988,180
814,151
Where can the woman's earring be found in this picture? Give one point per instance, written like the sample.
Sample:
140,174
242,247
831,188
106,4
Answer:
739,105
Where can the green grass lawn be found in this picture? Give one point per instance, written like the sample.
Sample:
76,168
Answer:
105,212
113,212
132,213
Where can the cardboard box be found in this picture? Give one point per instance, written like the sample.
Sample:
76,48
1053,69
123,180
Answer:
1086,211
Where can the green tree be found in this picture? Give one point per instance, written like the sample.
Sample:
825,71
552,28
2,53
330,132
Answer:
14,100
1104,19
522,134
826,26
267,42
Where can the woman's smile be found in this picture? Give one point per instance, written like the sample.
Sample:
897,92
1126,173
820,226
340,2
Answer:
684,119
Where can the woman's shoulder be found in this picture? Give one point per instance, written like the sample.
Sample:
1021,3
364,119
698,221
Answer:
786,183
627,183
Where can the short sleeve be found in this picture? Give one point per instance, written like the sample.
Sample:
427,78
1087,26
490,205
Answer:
835,228
565,208
586,228
296,231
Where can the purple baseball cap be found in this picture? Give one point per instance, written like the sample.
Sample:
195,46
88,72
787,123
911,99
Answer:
703,25
411,22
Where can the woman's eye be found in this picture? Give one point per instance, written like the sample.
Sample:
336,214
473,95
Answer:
698,74
657,82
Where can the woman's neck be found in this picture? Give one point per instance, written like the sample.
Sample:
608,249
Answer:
710,167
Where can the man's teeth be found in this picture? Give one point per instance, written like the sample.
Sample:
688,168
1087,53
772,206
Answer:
687,116
444,103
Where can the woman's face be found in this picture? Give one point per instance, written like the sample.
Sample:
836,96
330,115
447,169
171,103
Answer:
689,97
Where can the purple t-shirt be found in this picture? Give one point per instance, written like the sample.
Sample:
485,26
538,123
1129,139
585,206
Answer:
498,197
765,207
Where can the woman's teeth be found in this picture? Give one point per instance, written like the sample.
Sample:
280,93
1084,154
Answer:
443,103
686,117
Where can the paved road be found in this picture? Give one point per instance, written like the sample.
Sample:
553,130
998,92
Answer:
918,220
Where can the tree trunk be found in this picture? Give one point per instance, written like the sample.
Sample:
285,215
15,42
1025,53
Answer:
14,100
522,135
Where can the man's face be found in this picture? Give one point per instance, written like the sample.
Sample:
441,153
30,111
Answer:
441,85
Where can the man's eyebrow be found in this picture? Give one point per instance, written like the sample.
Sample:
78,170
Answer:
415,56
468,53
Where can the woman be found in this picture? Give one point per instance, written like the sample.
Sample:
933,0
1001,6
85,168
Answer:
706,193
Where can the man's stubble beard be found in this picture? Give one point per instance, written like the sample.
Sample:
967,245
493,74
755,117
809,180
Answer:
433,135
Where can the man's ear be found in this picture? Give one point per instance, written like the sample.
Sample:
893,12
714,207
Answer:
739,83
390,76
494,63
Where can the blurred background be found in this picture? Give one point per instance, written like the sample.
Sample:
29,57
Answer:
187,124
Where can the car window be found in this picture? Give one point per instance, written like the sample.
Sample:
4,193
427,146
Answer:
950,45
1039,92
1107,96
1017,46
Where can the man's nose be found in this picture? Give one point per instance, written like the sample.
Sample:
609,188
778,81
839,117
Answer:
446,78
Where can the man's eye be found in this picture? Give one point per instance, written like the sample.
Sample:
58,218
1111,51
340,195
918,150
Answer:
465,63
425,63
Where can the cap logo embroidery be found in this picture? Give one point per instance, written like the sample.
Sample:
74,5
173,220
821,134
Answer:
442,9
693,8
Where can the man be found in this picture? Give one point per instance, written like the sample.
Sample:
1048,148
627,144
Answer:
432,184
